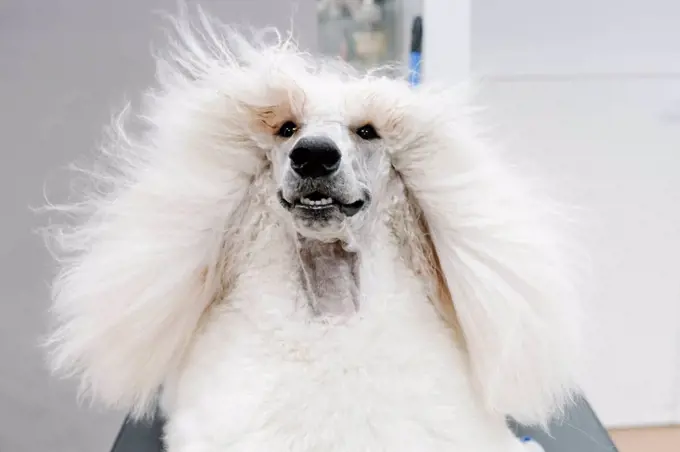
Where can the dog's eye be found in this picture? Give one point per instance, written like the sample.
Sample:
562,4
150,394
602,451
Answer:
287,130
367,132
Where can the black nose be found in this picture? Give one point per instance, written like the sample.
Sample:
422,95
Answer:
315,157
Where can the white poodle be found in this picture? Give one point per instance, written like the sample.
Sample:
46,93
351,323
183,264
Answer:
295,257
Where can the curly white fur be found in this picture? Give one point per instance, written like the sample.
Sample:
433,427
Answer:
180,271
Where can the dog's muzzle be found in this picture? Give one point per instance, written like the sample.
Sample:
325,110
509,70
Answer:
318,192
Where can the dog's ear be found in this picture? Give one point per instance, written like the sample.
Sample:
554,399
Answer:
502,263
142,254
143,261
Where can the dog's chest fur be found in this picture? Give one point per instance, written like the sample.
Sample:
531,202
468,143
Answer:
268,373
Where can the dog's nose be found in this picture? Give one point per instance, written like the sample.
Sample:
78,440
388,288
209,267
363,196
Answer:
315,157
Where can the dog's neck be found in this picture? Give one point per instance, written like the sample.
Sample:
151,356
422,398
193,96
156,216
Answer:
330,277
328,271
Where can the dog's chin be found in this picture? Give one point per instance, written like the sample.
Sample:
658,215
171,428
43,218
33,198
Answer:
321,215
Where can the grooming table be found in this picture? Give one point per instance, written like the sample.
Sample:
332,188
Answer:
580,431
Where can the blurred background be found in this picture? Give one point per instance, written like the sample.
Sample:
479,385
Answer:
587,92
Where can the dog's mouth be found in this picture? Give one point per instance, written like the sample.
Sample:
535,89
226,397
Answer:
317,202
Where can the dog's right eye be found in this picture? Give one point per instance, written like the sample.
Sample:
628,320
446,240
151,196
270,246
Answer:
287,130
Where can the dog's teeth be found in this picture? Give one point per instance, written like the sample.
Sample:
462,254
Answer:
316,203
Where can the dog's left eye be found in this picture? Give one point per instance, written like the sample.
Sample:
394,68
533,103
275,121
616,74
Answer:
367,132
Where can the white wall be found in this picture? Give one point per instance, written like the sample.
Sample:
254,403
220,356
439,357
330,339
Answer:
589,92
446,40
576,36
603,147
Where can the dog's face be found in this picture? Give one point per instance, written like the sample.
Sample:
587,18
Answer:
323,169
329,160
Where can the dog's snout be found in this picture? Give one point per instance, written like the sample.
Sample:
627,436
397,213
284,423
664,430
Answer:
315,157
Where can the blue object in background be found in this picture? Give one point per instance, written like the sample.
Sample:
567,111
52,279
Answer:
414,69
531,444
416,51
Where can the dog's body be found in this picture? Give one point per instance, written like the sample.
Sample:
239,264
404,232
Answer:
303,259
265,374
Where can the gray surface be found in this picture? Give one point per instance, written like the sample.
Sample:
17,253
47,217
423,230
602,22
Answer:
65,66
579,431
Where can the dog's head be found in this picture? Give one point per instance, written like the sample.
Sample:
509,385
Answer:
321,130
325,133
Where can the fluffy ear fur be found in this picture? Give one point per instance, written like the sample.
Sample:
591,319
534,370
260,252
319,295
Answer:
142,254
502,260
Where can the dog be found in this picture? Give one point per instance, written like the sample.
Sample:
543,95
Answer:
291,255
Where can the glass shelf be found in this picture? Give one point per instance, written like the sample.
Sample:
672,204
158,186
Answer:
366,33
